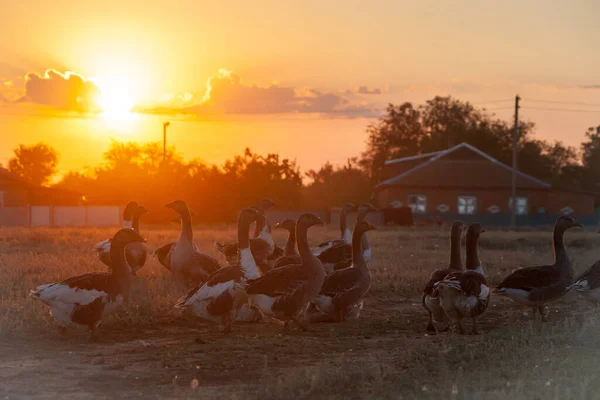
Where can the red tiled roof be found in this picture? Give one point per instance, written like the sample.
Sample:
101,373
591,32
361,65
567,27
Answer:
450,169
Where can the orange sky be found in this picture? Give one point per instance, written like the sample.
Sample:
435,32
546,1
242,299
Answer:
246,67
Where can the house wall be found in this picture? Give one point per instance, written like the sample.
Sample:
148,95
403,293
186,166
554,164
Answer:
552,201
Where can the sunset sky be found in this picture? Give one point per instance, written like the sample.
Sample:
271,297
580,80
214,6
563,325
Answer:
283,76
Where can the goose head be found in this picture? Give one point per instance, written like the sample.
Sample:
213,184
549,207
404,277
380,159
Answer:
475,230
309,219
266,204
129,210
141,210
364,226
179,206
126,236
348,207
287,224
565,222
249,215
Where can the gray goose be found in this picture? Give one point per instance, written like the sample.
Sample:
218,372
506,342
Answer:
263,247
466,293
83,300
588,283
342,290
283,293
221,299
536,286
290,254
188,265
136,253
432,303
339,255
346,234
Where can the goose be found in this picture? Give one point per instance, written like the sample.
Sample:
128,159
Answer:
290,255
536,286
432,303
346,234
137,252
588,283
86,299
163,254
343,289
465,293
264,249
187,264
283,293
221,298
339,255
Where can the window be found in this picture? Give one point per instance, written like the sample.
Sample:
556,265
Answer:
418,203
522,205
467,205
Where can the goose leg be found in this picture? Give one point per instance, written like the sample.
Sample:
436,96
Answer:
62,330
226,320
533,313
475,331
93,333
461,330
541,310
430,326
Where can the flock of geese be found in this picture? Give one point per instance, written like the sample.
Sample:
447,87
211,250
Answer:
296,283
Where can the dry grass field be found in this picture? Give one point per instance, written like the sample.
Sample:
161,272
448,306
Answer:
151,350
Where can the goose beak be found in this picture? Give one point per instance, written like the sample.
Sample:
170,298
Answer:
578,225
170,205
143,210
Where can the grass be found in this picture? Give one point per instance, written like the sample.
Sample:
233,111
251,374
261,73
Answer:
384,355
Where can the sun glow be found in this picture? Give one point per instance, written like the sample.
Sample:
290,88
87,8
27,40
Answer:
117,96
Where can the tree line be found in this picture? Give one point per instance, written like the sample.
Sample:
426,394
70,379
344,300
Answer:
216,192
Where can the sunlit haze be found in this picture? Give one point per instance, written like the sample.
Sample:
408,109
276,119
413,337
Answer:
270,76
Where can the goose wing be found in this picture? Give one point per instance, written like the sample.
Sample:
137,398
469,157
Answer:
163,254
327,245
279,281
222,280
336,254
82,289
287,260
589,279
531,278
341,281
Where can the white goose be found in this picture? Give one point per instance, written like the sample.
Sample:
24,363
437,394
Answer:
85,299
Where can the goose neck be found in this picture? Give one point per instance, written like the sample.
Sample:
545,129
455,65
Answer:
290,245
473,262
455,257
358,258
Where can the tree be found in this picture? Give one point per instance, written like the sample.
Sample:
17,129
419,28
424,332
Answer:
335,186
36,163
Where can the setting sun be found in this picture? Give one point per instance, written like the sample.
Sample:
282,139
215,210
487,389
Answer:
117,95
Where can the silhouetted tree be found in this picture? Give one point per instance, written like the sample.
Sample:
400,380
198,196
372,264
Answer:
36,163
335,186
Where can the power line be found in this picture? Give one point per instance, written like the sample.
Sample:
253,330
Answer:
499,108
561,109
575,103
493,101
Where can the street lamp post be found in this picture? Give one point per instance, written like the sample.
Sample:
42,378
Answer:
165,126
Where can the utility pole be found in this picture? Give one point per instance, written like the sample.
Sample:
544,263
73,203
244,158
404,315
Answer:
514,164
165,126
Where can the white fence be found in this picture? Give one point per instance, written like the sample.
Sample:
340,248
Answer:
60,216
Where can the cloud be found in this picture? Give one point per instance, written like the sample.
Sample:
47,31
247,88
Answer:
590,86
226,93
366,90
69,90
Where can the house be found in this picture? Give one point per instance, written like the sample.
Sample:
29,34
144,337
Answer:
466,183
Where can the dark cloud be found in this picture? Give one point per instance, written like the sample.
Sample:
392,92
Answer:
69,90
366,90
226,93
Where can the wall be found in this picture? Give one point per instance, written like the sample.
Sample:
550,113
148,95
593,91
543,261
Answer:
553,201
36,216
